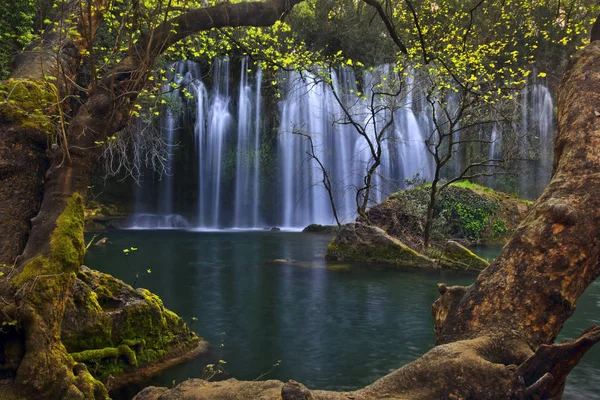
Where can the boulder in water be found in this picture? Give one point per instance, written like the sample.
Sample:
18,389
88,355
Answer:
324,229
360,242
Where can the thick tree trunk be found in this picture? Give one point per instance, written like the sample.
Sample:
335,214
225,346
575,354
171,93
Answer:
55,58
22,168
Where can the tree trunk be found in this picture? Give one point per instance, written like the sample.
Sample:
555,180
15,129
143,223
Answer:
430,209
54,58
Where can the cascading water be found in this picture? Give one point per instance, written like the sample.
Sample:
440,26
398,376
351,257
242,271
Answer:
411,148
185,74
537,141
218,125
256,155
246,174
245,215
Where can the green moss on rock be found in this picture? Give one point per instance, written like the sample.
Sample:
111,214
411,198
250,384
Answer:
360,242
113,328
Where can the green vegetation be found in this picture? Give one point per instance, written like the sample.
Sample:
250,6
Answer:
464,211
468,215
28,103
16,30
112,327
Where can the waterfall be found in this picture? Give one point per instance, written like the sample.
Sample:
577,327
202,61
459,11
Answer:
218,125
200,131
414,157
537,141
247,152
236,160
256,155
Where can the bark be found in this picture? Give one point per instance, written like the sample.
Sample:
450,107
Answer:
55,58
22,168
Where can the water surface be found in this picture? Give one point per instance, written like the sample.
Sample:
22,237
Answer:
270,296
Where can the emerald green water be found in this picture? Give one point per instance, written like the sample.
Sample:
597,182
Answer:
333,326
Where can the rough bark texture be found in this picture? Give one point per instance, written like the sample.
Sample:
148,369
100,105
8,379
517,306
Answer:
22,167
56,57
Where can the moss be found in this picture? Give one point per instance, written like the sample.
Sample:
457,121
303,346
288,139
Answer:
67,243
116,315
391,254
67,246
129,354
88,385
107,352
459,257
28,103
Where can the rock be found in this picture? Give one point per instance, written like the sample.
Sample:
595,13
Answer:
324,229
275,229
102,242
293,390
230,389
284,261
361,242
151,393
458,256
469,212
120,331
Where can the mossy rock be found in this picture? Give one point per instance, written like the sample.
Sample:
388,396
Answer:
365,243
114,328
457,256
464,211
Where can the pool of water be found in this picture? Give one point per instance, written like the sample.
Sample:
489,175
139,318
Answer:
270,296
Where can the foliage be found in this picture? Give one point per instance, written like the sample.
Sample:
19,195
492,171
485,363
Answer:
16,30
499,228
467,212
29,103
212,371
